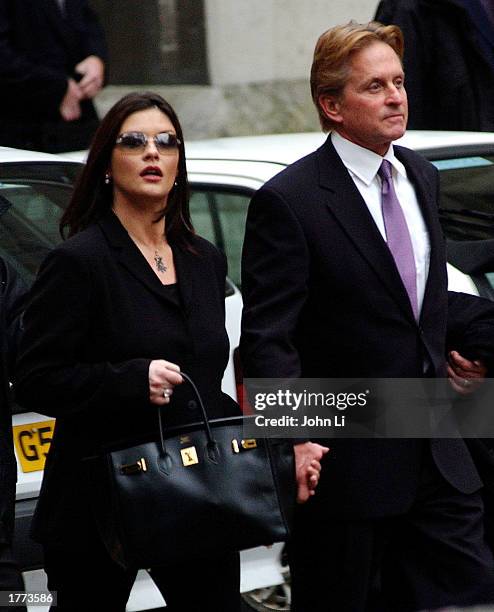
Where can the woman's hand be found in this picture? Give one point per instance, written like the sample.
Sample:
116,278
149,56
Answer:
163,376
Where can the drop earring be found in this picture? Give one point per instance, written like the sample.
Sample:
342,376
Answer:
107,178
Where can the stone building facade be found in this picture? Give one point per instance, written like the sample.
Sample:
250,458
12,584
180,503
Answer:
229,67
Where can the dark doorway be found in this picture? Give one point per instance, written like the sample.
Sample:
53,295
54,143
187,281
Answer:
155,42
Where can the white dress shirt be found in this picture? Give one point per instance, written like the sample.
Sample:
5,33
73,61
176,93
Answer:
362,165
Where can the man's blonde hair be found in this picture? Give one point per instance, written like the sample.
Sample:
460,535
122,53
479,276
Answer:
334,49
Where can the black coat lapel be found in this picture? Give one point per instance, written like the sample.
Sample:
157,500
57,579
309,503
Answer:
348,207
128,255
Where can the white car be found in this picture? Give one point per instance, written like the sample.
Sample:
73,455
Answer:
224,173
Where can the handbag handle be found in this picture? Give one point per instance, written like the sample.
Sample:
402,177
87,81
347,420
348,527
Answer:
212,445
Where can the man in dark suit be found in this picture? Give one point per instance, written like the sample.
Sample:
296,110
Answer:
344,276
52,59
12,292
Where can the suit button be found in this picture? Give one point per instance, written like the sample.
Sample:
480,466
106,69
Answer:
192,405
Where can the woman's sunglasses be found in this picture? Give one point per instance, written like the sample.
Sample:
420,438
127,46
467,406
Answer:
137,141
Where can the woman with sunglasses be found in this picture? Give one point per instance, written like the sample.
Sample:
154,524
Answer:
131,298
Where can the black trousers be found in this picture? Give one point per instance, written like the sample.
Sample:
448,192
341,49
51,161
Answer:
433,556
10,576
86,578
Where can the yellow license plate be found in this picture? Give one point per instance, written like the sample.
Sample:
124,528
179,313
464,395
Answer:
32,443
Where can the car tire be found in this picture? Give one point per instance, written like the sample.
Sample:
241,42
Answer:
270,599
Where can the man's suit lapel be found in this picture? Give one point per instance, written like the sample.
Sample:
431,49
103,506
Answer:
424,189
347,206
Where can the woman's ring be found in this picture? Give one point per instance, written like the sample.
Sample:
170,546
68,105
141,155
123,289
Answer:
466,383
166,392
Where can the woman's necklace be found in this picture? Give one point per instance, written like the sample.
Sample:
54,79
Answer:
159,260
159,263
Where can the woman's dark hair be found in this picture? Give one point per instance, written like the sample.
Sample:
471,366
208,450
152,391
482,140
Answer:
92,197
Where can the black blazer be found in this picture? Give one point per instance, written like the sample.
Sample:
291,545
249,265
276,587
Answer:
323,299
97,316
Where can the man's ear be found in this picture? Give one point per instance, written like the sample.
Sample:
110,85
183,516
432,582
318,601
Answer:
330,106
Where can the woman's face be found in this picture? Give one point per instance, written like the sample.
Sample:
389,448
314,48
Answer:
144,174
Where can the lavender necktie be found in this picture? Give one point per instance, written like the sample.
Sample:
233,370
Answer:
397,234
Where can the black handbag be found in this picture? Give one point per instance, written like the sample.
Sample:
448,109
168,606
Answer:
194,491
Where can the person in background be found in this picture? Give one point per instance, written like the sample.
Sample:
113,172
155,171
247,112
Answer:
52,65
344,276
12,293
448,61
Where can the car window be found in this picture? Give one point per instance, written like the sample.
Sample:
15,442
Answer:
219,214
29,228
467,197
467,216
32,198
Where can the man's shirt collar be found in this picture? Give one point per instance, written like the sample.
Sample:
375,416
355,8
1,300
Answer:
362,162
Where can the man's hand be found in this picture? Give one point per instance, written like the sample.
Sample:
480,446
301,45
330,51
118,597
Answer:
465,376
308,468
93,72
69,107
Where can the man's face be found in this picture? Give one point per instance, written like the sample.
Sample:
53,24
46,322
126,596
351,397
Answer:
372,110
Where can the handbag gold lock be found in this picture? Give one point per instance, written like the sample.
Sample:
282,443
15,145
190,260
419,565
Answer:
189,456
134,468
248,444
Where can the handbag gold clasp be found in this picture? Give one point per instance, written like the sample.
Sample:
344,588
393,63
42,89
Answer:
248,444
189,456
134,468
